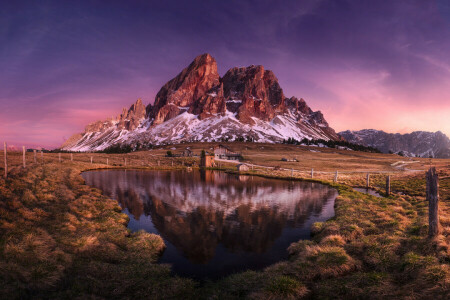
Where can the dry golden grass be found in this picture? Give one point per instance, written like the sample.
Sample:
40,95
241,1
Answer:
333,240
62,239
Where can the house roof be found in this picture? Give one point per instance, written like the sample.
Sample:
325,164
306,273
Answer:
225,147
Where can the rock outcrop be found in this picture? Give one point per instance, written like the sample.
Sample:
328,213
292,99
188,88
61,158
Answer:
259,91
192,84
131,118
199,105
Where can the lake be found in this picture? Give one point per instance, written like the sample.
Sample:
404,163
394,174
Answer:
214,223
368,191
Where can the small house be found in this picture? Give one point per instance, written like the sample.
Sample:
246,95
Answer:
223,152
242,168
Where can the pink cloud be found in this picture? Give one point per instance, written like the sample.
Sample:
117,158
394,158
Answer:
366,100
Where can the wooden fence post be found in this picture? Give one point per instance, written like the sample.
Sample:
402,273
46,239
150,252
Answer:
91,159
336,176
388,185
34,152
368,180
312,173
23,158
59,157
433,202
6,159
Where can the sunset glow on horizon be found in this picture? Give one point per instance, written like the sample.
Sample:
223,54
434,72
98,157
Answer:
366,65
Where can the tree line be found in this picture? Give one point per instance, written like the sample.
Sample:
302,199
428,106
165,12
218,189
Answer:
331,144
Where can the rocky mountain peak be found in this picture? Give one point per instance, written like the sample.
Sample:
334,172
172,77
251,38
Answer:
248,91
319,119
258,89
253,82
199,105
131,118
186,88
298,106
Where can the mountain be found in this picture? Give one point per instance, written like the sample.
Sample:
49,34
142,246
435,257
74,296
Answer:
199,105
417,143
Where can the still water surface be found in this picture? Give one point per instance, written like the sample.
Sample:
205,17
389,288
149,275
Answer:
214,223
368,191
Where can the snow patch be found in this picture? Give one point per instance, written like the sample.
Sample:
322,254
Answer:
188,127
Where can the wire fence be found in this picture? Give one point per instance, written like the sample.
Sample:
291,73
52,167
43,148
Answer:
362,178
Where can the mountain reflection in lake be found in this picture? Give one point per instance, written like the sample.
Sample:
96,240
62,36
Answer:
214,223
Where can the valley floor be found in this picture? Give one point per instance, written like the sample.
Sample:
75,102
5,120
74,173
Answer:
62,239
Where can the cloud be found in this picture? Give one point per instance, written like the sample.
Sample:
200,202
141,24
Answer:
377,64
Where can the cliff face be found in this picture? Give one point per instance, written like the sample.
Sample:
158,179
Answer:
258,90
131,118
417,143
185,89
199,105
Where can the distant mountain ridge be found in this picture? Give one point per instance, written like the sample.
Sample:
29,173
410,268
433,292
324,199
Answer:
199,105
417,143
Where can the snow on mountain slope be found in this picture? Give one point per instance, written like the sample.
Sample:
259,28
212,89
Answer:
199,105
188,127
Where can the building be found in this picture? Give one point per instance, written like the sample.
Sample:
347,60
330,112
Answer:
242,168
207,161
223,152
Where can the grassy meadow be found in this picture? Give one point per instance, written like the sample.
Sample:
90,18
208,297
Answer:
60,238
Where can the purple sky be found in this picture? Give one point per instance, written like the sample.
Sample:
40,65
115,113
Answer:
364,64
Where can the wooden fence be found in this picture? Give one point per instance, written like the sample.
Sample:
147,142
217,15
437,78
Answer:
432,180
